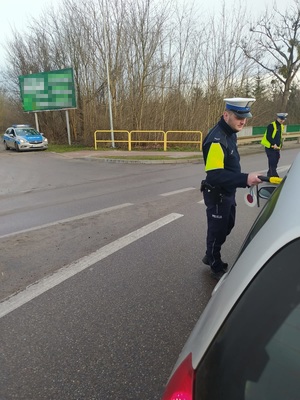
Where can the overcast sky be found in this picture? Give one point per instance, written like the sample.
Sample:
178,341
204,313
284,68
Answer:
14,14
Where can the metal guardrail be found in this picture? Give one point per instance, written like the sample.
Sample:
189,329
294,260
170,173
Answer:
159,137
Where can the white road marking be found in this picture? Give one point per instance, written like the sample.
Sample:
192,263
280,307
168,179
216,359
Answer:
201,202
32,291
283,168
178,191
62,221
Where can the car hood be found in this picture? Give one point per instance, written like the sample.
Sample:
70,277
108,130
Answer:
31,138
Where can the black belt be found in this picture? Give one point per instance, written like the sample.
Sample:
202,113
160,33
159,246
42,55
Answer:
207,186
214,191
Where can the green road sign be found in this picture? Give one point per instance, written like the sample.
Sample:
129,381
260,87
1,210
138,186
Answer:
52,90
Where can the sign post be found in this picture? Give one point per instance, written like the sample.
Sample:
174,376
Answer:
68,127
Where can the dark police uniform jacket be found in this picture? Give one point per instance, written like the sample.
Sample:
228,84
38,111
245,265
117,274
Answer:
222,160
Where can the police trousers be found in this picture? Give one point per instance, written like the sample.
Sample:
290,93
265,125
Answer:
273,159
220,221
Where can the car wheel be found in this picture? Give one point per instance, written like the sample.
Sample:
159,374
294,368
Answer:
5,145
17,146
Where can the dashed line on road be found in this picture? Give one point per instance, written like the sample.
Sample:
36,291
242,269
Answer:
71,219
32,291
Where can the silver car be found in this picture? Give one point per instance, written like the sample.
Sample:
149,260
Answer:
246,344
24,137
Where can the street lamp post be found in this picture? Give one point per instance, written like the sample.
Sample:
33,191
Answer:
108,86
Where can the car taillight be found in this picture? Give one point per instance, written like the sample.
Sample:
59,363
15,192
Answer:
181,384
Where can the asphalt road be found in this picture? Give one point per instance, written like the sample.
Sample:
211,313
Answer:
103,265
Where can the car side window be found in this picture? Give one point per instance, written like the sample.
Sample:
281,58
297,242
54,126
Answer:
256,353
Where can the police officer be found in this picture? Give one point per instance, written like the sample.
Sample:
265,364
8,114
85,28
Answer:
272,141
222,166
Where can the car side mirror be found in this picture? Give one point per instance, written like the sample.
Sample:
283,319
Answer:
265,192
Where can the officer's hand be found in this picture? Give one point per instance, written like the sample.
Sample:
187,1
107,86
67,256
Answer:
275,147
253,179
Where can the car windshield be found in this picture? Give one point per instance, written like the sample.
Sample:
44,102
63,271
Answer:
27,131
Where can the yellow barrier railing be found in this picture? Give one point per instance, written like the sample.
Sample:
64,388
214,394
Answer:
138,141
134,137
199,142
109,141
164,138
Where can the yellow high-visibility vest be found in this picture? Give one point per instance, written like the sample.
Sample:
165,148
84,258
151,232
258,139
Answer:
265,141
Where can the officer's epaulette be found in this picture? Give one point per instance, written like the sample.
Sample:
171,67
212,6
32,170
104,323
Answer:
216,135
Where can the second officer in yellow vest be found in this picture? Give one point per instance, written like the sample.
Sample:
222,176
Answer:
272,141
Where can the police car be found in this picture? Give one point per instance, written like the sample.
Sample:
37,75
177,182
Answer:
24,137
246,343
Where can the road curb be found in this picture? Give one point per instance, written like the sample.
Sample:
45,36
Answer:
127,161
171,158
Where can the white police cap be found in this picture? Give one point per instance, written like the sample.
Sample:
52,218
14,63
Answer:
240,106
282,115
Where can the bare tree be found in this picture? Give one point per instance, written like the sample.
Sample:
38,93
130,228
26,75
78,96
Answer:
275,46
169,67
143,37
224,67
